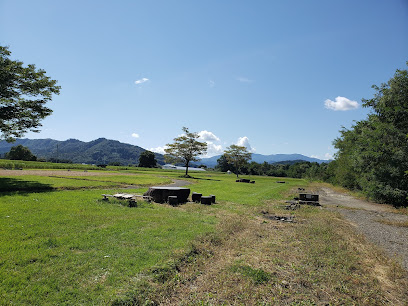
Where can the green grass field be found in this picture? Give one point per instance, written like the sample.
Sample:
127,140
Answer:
61,244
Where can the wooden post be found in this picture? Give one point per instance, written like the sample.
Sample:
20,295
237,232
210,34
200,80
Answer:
196,197
206,200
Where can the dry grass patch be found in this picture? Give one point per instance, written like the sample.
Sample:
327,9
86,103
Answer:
252,260
393,222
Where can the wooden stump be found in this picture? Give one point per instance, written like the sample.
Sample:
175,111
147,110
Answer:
196,197
309,197
242,181
173,201
206,200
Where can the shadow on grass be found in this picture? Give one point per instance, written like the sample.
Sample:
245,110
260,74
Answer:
198,178
8,185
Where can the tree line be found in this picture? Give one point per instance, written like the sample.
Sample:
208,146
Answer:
293,169
372,155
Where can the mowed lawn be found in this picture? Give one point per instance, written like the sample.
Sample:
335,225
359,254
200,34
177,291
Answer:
70,247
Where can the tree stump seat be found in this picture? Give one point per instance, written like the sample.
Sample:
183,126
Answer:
206,200
196,197
243,181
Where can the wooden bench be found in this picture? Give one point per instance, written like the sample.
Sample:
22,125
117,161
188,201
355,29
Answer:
131,198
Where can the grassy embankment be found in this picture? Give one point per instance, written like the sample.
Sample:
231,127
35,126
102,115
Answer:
67,246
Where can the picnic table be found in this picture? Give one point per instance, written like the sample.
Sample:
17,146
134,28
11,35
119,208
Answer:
160,194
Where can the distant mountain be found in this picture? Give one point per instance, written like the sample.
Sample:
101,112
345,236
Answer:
105,151
99,151
270,159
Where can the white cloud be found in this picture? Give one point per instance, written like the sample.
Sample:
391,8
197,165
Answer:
213,149
211,83
328,156
142,80
244,142
341,104
244,80
208,136
135,135
158,149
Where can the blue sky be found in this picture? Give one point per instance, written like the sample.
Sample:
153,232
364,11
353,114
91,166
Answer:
277,76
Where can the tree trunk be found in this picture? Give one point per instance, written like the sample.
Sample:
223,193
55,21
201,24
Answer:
187,167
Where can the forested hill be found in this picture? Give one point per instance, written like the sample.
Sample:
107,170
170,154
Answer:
270,159
99,151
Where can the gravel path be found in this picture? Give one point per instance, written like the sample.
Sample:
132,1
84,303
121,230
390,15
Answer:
177,183
377,222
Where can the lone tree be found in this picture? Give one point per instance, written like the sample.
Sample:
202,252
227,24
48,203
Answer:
186,148
238,156
20,153
147,159
24,91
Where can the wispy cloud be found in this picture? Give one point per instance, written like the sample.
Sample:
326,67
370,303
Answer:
341,104
158,149
211,83
244,142
135,135
326,156
244,80
142,80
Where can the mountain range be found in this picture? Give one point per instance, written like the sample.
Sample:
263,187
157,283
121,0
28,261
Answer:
99,151
270,159
105,151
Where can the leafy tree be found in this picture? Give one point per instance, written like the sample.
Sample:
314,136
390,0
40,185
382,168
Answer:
147,159
186,148
20,153
24,91
238,156
373,155
223,165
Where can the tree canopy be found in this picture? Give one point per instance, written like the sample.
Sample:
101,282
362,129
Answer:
20,153
24,91
147,159
185,149
238,156
373,155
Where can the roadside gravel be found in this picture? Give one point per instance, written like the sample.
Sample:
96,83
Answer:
379,223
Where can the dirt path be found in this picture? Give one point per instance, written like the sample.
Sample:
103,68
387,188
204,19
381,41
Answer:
177,183
377,222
